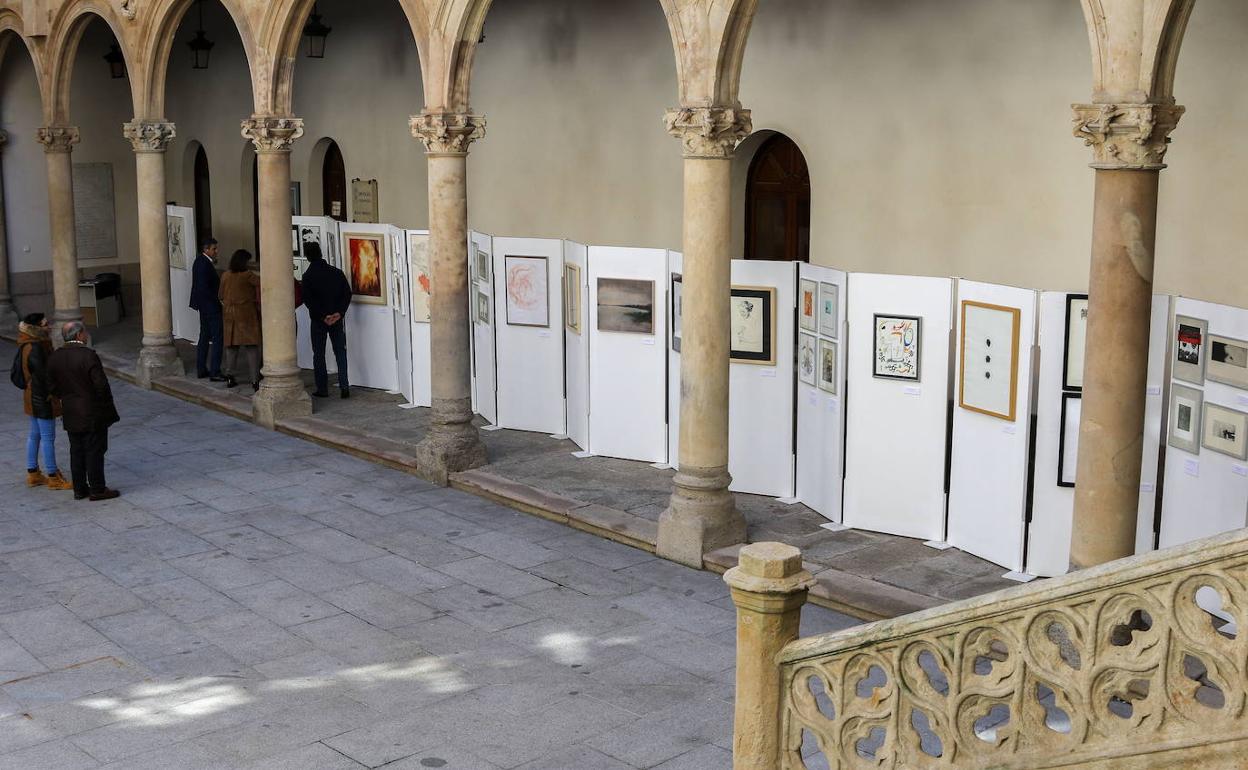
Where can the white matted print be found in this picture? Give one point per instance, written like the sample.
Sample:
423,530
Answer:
829,309
807,358
422,278
528,296
1225,430
483,308
1185,413
572,297
989,377
484,271
829,367
678,309
1076,341
177,249
1068,439
753,327
1190,346
1228,361
808,305
897,347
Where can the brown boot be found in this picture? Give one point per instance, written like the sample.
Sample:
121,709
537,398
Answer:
58,481
35,478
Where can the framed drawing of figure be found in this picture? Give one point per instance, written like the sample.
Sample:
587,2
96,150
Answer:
1190,349
807,354
484,271
527,286
989,376
625,305
572,297
483,308
753,325
896,347
177,250
1186,406
678,309
808,305
829,310
366,267
828,367
1076,341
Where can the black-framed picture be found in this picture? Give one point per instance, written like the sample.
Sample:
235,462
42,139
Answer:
754,325
1191,346
896,347
678,309
1186,406
1068,439
1076,341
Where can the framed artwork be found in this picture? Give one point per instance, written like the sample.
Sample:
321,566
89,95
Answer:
1190,344
482,259
483,308
989,376
572,297
753,325
1225,430
808,305
1068,439
528,291
177,248
678,309
366,266
311,234
422,276
295,251
896,347
828,366
1185,413
625,305
829,309
807,363
1228,361
296,199
1076,341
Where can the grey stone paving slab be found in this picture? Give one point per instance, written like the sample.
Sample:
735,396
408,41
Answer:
283,603
250,543
249,637
495,577
311,572
334,545
49,629
478,607
379,606
444,757
186,599
222,570
589,579
315,755
149,633
93,597
56,755
703,758
508,549
45,565
582,757
403,575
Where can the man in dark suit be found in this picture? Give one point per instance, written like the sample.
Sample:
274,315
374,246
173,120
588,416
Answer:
76,376
327,295
205,286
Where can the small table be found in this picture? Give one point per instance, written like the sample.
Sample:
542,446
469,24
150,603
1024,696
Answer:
97,311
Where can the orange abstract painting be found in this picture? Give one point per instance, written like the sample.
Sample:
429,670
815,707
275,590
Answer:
366,261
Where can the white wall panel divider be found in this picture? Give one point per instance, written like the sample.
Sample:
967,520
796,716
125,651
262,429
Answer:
331,251
484,345
761,417
530,357
185,320
627,369
989,462
422,372
1155,414
675,268
1207,493
577,343
820,412
401,305
896,429
371,344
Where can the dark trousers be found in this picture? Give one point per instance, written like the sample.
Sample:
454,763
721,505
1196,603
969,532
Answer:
86,460
337,335
211,336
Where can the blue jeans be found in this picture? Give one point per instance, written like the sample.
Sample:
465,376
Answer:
42,433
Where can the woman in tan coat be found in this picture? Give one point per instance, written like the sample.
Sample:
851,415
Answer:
35,349
240,306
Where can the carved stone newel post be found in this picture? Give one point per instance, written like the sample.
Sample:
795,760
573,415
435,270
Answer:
281,391
453,443
702,515
158,356
58,145
1129,143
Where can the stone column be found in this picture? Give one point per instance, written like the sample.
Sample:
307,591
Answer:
769,588
281,393
1129,142
58,144
8,313
454,443
158,357
702,515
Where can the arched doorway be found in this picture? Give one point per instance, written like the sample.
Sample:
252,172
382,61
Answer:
334,184
203,197
777,203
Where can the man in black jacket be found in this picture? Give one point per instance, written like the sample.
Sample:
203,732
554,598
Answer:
327,296
205,288
76,376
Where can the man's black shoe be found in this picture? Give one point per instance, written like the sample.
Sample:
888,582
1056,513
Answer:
81,495
319,394
104,494
217,378
345,393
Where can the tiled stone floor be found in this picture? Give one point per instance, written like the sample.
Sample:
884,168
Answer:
256,601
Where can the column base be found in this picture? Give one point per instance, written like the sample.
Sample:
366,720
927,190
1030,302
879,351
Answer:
454,444
701,517
281,397
157,362
61,315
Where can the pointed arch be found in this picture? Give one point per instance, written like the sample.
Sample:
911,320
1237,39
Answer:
11,22
68,25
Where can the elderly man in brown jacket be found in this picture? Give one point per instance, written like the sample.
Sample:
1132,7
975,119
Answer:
76,376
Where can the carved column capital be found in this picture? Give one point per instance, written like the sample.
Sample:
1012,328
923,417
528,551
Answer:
58,138
4,138
709,132
272,134
149,136
1127,136
447,133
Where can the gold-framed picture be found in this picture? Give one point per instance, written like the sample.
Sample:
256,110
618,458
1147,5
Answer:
988,381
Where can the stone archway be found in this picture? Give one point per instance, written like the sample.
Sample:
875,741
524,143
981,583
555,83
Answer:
777,202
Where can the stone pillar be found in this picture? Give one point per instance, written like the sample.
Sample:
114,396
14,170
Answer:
454,443
769,588
58,144
281,393
8,313
158,357
1129,142
702,515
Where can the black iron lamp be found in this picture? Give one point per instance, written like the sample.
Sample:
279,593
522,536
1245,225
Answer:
116,62
316,32
201,46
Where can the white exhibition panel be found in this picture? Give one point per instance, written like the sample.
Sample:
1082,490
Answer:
1155,405
820,417
1207,494
627,370
895,433
401,288
989,462
576,344
303,335
185,320
760,421
372,355
675,267
484,370
530,378
421,340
